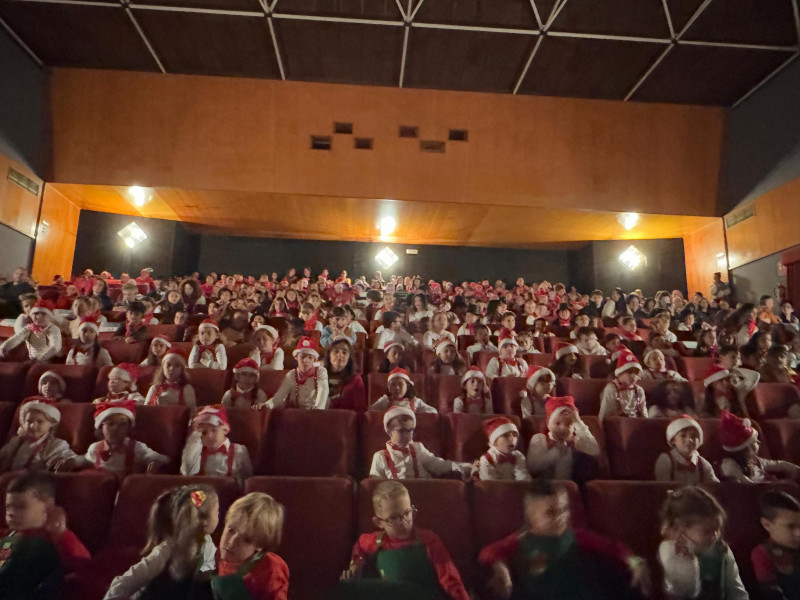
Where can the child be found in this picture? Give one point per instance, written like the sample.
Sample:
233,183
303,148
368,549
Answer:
776,367
86,350
27,302
475,397
549,559
148,318
209,351
671,399
394,357
687,321
42,337
503,460
130,294
729,357
581,320
726,390
307,385
252,535
776,563
51,388
437,331
122,385
158,350
683,464
447,362
566,362
35,446
401,392
707,343
507,364
171,386
179,544
401,560
622,397
245,392
393,331
697,562
525,341
337,327
562,452
482,342
208,451
508,323
563,320
628,330
540,327
540,383
741,445
656,367
587,342
472,318
133,330
309,316
267,353
118,452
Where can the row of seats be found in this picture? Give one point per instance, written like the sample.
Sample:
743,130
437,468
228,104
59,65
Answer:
325,515
342,443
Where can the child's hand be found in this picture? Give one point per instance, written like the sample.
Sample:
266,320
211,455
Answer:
684,546
500,582
130,340
56,523
261,406
153,467
354,572
640,576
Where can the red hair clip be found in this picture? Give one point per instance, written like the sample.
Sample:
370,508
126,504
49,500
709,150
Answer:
198,497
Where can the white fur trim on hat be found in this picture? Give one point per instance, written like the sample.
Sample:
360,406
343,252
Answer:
398,411
472,374
403,376
42,309
748,442
502,430
121,374
444,343
269,329
633,364
209,325
507,340
391,344
716,376
50,411
568,349
52,375
163,340
89,325
534,379
681,423
113,410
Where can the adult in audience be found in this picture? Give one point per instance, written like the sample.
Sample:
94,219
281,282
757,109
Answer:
615,307
345,385
99,290
12,290
720,289
765,306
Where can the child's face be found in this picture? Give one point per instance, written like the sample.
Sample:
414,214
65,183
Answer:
397,387
507,442
587,340
525,342
570,358
173,367
212,436
27,305
448,354
236,544
129,295
134,318
25,510
36,424
338,323
703,534
564,314
548,515
394,355
730,360
470,318
51,388
209,514
115,429
305,362
686,442
784,529
87,335
674,394
612,344
264,341
655,361
544,385
396,517
306,314
582,321
339,355
158,347
180,318
563,425
207,335
439,322
117,385
257,320
40,319
722,387
629,377
247,380
482,336
474,387
509,321
508,351
629,326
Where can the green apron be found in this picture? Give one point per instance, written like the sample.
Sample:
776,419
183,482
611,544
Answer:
787,569
712,578
30,568
232,587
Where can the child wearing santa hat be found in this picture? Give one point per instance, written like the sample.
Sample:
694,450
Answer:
208,351
562,451
118,452
539,385
726,389
35,445
683,463
42,337
245,392
742,462
403,458
482,342
394,357
508,364
447,362
437,331
51,387
208,451
86,349
475,397
171,385
267,353
122,385
401,392
307,385
656,367
623,397
502,460
159,346
472,318
566,365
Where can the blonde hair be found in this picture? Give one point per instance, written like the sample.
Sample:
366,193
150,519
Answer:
689,505
261,516
387,490
187,533
130,286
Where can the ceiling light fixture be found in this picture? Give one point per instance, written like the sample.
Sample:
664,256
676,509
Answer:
387,226
632,258
132,235
628,220
140,195
386,258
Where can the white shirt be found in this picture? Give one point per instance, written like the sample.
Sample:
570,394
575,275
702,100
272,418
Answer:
622,403
217,360
388,335
547,456
493,369
431,338
485,408
478,347
135,396
491,469
42,347
172,397
665,471
596,350
276,364
142,456
216,465
79,358
427,463
383,404
682,574
309,398
419,315
242,402
16,452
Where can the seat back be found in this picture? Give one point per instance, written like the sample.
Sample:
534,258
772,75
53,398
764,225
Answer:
585,391
270,381
533,425
209,385
164,429
376,386
373,437
167,330
442,390
465,439
249,427
7,412
633,445
481,359
540,360
143,383
12,380
123,352
507,395
79,380
237,352
773,400
693,367
783,438
593,363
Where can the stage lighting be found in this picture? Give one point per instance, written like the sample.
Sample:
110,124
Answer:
386,258
632,258
628,220
722,262
140,195
132,235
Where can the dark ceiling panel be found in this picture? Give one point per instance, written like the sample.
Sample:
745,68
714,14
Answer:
65,35
243,5
746,22
681,11
638,18
513,14
340,52
545,8
466,60
203,44
588,68
708,75
384,10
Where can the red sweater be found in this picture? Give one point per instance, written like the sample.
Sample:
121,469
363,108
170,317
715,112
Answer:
267,580
71,550
352,396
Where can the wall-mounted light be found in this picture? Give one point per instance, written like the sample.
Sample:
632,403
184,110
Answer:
386,258
140,195
628,220
722,263
632,258
44,227
132,235
412,251
387,226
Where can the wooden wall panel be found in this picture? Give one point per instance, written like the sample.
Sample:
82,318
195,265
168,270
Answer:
700,249
18,207
55,249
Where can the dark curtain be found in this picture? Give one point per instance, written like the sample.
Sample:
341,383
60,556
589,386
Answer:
793,282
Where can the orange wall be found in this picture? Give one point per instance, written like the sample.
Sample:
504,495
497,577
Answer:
124,128
700,250
54,250
18,208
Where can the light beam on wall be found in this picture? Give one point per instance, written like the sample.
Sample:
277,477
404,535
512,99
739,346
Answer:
628,220
140,195
632,258
386,258
722,263
132,235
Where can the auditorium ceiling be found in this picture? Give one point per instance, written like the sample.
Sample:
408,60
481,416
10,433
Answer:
713,52
358,219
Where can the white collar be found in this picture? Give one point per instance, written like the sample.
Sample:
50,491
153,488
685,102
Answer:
679,457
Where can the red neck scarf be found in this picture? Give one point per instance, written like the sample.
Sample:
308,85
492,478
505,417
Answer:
751,328
105,452
300,379
131,329
221,450
35,328
163,387
207,348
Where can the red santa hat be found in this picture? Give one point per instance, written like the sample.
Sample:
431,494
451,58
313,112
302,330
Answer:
306,345
735,433
390,344
42,306
127,372
215,415
473,373
679,424
106,409
273,333
563,348
506,337
715,372
556,405
444,343
498,426
401,373
536,372
208,323
397,411
54,376
246,365
625,362
163,340
90,322
45,406
178,354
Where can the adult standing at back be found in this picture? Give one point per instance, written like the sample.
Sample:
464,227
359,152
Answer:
12,290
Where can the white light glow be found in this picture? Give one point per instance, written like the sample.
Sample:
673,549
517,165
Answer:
721,262
386,258
387,226
632,258
44,227
140,195
628,220
132,235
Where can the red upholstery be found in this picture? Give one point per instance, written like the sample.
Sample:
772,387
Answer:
465,438
541,360
693,367
592,363
506,395
373,437
712,447
143,383
166,330
238,352
376,386
313,443
442,507
585,391
442,390
465,341
481,359
249,427
76,427
209,385
79,380
185,347
318,529
164,429
636,347
534,425
19,354
783,438
7,412
270,381
772,400
12,379
122,352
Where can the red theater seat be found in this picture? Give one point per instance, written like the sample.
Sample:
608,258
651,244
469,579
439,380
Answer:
773,400
185,347
123,352
442,390
166,330
209,385
7,412
541,360
783,438
506,395
585,391
376,386
79,380
481,359
270,381
237,352
143,383
164,429
693,367
318,529
592,364
249,427
373,437
313,443
12,380
533,425
465,438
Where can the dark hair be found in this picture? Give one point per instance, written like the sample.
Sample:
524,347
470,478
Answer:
349,369
689,505
729,349
541,488
773,501
563,306
458,365
508,313
422,297
583,331
337,311
661,392
564,371
596,293
136,307
491,307
42,483
388,318
764,298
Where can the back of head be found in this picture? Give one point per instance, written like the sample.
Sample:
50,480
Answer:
186,504
261,516
541,488
386,491
41,483
337,311
388,317
690,505
136,307
773,501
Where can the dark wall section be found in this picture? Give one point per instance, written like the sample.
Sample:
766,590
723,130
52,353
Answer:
758,278
581,268
16,250
665,269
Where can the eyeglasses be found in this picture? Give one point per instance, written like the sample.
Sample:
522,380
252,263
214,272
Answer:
402,430
400,519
